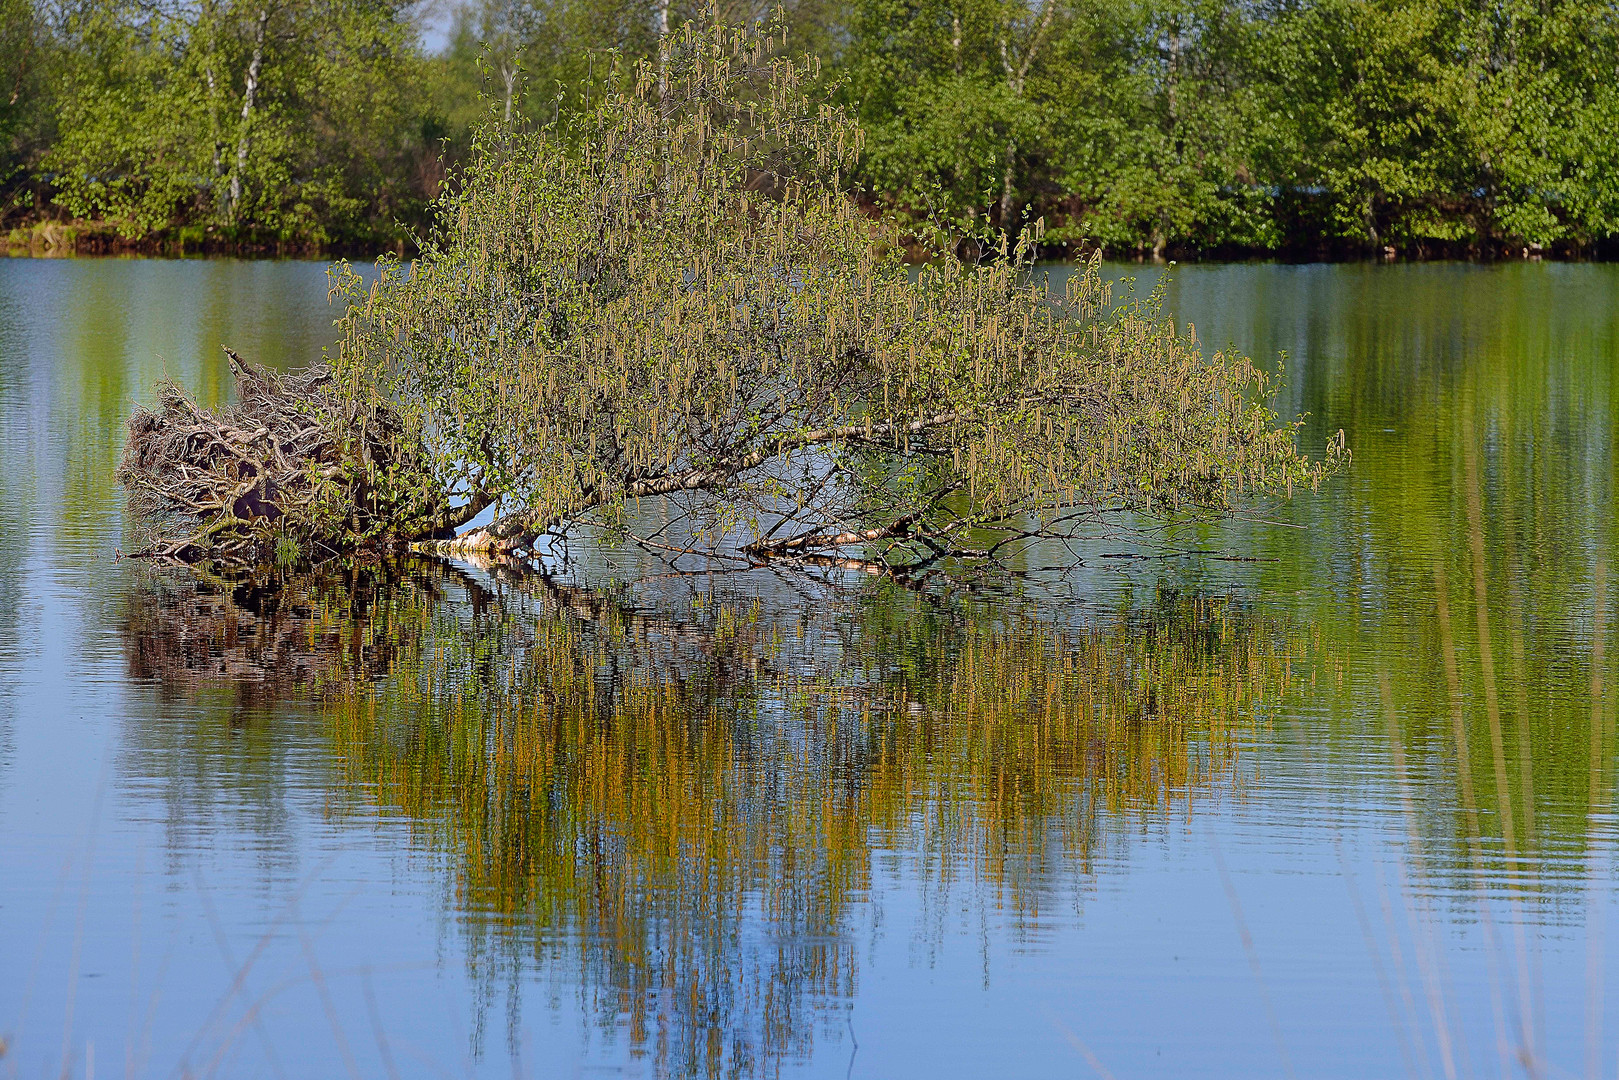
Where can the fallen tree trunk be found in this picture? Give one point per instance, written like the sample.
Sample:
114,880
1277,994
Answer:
659,302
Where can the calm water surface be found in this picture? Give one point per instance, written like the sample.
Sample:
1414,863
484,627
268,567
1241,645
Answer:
1334,797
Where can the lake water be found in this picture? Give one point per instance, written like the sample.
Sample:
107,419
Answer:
1332,798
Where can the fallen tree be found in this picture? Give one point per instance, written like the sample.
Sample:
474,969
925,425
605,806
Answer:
676,298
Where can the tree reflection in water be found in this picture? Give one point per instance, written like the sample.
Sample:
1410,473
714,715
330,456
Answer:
671,798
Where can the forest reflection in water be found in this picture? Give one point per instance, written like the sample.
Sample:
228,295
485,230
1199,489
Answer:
674,795
671,796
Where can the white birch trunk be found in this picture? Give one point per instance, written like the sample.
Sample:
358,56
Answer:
249,97
1016,76
663,50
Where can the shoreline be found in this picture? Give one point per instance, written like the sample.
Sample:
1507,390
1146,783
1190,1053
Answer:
56,238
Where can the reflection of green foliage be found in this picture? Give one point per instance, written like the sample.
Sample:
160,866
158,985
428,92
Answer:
684,805
646,786
1491,387
82,338
581,746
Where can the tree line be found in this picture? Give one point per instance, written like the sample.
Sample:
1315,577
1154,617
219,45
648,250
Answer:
1147,127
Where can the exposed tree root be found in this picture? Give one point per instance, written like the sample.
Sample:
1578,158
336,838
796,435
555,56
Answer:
287,474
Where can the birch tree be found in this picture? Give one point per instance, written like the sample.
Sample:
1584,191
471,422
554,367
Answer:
951,93
1022,33
246,119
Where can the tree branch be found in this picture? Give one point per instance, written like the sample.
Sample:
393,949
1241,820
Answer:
519,529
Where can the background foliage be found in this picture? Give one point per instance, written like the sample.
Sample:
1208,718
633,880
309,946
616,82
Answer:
1148,126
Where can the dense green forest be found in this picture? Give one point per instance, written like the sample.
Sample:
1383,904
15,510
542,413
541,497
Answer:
1151,127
